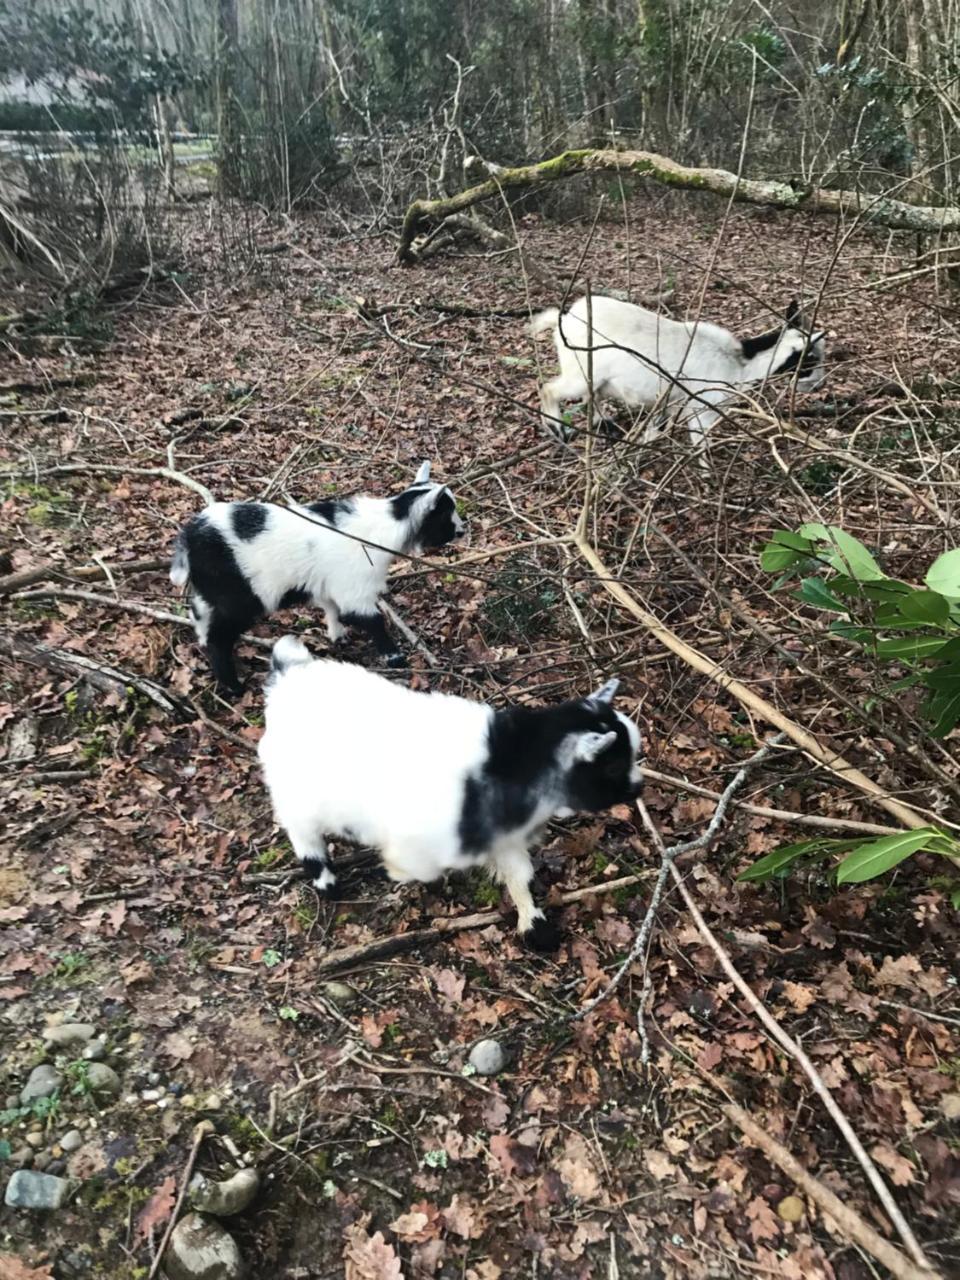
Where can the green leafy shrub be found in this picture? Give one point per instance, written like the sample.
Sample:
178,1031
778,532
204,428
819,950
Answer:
916,628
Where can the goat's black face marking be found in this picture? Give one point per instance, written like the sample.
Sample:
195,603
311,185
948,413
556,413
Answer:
401,503
763,342
248,519
440,525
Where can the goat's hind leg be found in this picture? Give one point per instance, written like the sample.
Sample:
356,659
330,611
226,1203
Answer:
311,848
552,397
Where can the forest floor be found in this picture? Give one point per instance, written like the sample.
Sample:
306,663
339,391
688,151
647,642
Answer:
145,890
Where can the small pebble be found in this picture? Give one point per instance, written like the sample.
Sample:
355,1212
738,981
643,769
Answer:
69,1033
150,1095
35,1140
95,1051
153,1077
791,1209
188,1100
30,1190
103,1080
226,1198
177,1088
212,1102
41,1160
72,1139
340,993
12,1101
57,1167
44,1080
22,1157
487,1057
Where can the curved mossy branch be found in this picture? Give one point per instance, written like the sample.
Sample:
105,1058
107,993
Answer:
879,210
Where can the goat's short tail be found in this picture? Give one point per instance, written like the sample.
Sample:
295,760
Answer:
288,652
180,564
543,321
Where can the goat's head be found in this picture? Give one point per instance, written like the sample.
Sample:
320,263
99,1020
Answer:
791,348
429,511
598,759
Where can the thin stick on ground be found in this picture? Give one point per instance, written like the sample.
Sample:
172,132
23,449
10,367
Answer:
84,572
850,1224
667,858
795,1051
203,1130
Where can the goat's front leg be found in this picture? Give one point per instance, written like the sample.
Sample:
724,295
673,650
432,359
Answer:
375,628
514,869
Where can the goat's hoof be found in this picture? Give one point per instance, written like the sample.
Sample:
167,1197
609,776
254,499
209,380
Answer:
328,892
542,936
610,428
231,692
396,660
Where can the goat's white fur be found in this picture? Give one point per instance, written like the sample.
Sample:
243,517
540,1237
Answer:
689,368
348,752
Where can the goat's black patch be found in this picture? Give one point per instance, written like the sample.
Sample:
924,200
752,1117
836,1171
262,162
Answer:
794,320
331,509
439,527
522,766
764,342
807,360
375,628
401,503
217,579
248,519
295,596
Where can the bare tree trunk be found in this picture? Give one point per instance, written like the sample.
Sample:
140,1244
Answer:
228,142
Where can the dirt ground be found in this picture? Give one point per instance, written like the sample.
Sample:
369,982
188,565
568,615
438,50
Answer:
144,888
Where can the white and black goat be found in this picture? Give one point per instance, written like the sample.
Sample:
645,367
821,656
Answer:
243,560
689,369
434,782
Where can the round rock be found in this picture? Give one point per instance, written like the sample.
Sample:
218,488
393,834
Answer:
44,1080
103,1080
340,993
226,1198
72,1139
95,1051
28,1189
487,1057
69,1033
200,1249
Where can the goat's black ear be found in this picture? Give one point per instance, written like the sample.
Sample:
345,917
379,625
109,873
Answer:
793,314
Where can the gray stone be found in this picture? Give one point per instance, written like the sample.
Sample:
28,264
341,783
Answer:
95,1051
103,1080
43,1081
340,993
42,1160
22,1157
487,1057
69,1033
12,1101
72,1139
225,1198
57,1166
200,1249
30,1190
36,1139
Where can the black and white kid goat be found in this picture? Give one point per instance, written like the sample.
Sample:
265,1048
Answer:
244,560
434,782
688,370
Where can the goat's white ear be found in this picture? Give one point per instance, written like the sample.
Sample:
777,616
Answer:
423,474
605,694
817,337
590,745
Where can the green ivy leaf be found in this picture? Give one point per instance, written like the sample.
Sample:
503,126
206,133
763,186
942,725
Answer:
944,574
910,648
784,550
943,705
271,958
868,861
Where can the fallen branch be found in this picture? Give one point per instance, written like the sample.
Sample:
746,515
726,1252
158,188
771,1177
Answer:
97,468
382,948
796,1051
781,815
106,679
849,1224
877,210
906,816
667,859
409,634
85,573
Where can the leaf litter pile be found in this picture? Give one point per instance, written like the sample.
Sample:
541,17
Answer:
145,890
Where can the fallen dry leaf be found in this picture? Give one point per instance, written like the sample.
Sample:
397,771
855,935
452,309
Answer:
901,1171
576,1169
14,1268
368,1257
156,1211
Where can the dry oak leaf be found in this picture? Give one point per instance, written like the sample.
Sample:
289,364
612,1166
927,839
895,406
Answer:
420,1222
514,1158
463,1219
901,1171
14,1268
659,1164
368,1257
576,1169
763,1221
800,997
156,1211
899,972
176,1045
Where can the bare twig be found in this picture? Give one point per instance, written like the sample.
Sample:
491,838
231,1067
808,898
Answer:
85,572
849,1224
408,633
203,1130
